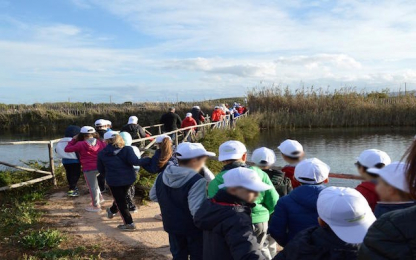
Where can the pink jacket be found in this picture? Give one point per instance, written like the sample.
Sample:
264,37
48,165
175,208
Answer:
87,153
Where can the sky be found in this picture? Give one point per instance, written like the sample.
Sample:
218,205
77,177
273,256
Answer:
188,50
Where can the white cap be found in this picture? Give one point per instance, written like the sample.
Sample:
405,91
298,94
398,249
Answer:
108,122
87,130
160,138
291,148
347,212
191,150
394,174
371,157
133,120
188,114
244,177
109,135
231,150
263,157
100,122
311,171
216,107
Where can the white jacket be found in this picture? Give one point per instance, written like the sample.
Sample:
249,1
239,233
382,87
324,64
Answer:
60,149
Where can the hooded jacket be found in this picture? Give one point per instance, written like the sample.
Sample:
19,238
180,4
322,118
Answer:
88,152
368,190
180,192
266,200
295,212
318,243
384,207
393,236
228,229
117,165
135,130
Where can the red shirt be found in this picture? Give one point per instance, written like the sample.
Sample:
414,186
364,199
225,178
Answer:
290,173
368,190
188,121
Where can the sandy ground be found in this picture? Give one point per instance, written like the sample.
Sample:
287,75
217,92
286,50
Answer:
69,215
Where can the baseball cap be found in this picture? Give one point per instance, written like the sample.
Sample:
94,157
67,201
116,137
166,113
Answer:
133,120
87,130
311,171
100,122
347,212
244,177
160,138
109,135
394,174
263,157
371,157
108,122
191,150
291,148
231,150
188,114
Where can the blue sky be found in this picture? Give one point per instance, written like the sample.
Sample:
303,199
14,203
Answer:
133,50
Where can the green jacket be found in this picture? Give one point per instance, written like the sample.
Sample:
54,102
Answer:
264,203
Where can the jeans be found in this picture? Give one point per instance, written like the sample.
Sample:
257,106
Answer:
184,246
92,183
73,172
260,231
120,203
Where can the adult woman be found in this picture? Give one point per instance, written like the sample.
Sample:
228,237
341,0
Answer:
116,161
88,144
393,235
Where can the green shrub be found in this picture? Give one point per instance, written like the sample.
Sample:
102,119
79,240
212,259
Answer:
43,239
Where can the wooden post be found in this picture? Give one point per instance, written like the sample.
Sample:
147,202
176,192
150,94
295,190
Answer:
176,139
52,163
160,130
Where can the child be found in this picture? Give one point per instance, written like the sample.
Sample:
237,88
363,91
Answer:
233,154
264,158
131,192
392,188
297,211
292,153
371,158
133,128
180,191
88,144
187,122
225,219
117,160
70,160
101,127
217,115
344,218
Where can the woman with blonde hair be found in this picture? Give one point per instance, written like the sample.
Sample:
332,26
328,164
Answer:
117,161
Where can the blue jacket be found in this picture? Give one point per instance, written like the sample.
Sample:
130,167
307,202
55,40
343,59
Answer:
117,165
295,212
382,207
150,164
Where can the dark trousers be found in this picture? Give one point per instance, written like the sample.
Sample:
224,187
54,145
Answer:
120,203
73,172
101,181
130,197
184,246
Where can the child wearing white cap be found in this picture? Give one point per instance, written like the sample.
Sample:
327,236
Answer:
292,153
297,210
101,127
233,154
226,218
188,122
133,128
392,188
371,158
344,218
180,191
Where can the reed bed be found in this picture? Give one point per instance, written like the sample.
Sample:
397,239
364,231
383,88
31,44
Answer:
277,107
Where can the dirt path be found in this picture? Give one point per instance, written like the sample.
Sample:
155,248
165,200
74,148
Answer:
69,215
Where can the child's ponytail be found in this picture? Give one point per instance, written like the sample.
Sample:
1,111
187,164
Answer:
165,152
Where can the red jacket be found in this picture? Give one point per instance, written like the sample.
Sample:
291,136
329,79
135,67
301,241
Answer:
368,190
290,173
240,110
188,121
217,115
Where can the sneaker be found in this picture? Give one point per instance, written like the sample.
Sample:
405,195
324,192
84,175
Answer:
110,214
133,209
73,193
158,217
127,227
93,209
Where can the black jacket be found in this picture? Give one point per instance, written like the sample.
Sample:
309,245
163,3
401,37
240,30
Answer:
228,231
171,121
392,236
281,183
196,114
135,130
318,243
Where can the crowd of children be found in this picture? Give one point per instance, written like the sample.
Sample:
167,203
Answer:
251,211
